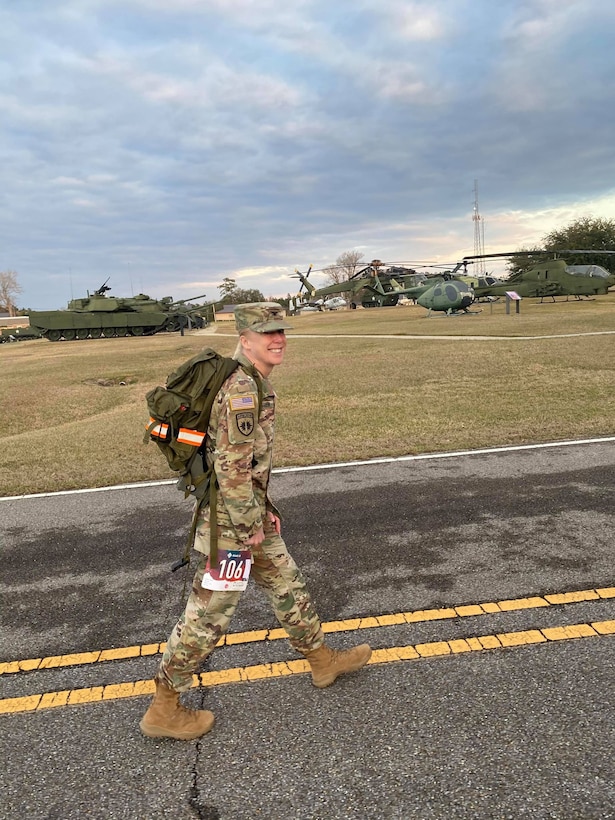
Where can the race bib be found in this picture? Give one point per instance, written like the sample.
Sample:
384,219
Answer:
232,572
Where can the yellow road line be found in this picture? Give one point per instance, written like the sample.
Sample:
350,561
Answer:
244,674
352,624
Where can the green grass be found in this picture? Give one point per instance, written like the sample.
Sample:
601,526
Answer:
69,422
535,318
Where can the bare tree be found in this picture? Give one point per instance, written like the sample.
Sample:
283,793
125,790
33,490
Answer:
9,288
345,266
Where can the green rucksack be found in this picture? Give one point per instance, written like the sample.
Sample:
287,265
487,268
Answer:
179,416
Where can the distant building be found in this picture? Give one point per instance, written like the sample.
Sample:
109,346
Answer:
13,321
225,314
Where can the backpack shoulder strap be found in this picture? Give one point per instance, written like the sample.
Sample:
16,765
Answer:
213,485
226,369
251,371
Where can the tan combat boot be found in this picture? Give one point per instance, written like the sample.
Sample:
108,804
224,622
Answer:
327,664
166,717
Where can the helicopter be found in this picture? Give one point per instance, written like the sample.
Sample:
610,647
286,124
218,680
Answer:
368,287
450,295
443,292
551,277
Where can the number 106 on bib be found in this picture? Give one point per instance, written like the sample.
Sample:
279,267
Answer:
232,572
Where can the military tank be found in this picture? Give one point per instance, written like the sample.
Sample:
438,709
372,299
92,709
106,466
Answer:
16,334
99,315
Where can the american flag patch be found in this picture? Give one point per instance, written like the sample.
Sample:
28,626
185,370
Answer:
242,403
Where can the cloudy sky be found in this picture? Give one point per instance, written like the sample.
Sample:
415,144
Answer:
168,144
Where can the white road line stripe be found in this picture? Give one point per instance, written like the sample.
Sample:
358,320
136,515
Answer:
333,466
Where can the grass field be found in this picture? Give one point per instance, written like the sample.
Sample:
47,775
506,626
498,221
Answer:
74,413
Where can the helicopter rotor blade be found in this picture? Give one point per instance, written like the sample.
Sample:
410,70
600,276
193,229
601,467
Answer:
532,253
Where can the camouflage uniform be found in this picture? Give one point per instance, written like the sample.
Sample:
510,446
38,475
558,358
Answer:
240,446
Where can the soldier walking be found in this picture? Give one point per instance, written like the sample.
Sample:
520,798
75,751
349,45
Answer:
247,526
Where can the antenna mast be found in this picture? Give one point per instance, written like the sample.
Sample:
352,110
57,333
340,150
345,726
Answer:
479,232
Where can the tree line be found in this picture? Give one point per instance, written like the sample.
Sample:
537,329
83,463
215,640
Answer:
584,234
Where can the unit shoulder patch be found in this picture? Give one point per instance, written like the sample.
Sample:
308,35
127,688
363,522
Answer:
243,424
242,417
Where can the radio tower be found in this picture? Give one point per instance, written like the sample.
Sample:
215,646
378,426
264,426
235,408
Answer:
479,234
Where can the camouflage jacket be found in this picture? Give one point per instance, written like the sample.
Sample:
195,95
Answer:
240,446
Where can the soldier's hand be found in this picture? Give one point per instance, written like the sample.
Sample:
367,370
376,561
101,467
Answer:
256,539
275,520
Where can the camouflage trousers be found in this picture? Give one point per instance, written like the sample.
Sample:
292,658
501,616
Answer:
208,612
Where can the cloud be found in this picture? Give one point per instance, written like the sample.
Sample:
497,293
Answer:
414,21
546,63
172,144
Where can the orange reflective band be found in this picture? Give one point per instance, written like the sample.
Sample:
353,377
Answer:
187,436
160,430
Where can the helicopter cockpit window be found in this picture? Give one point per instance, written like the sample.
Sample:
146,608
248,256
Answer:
588,270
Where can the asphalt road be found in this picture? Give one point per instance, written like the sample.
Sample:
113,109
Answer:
525,730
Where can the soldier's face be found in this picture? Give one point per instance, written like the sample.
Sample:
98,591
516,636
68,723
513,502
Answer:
265,350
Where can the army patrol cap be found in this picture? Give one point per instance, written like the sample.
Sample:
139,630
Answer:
261,317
